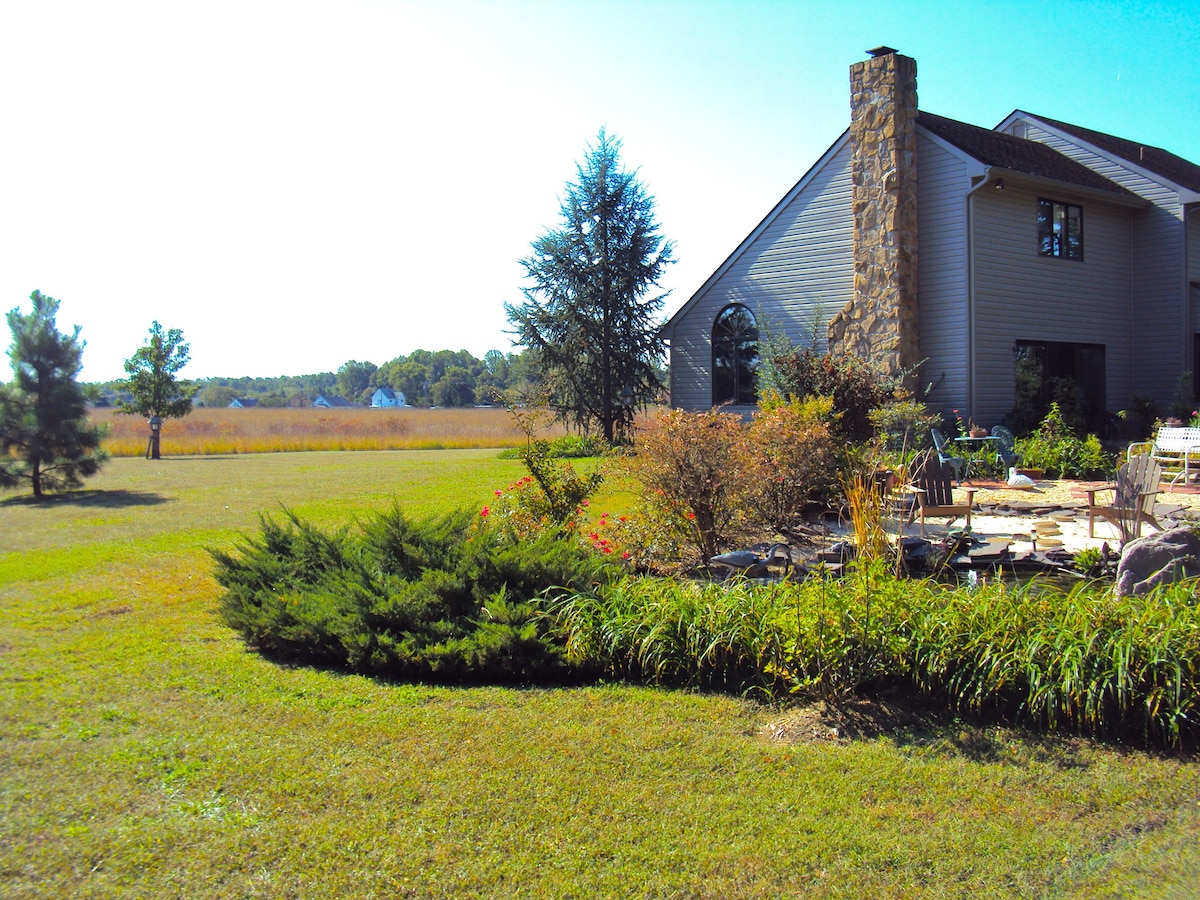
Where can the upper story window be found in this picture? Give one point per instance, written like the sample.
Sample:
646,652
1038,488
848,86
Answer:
734,356
1060,229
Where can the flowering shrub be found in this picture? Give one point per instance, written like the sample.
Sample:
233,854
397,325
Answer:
709,479
552,496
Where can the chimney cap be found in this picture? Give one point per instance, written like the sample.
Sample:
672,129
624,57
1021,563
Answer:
882,51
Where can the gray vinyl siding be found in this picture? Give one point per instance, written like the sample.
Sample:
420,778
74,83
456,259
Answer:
1021,295
1160,325
794,274
942,275
1193,245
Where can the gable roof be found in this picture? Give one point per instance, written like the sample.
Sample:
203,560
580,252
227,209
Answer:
1153,159
1005,151
667,327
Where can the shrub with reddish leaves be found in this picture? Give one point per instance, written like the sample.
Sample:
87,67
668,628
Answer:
791,453
696,474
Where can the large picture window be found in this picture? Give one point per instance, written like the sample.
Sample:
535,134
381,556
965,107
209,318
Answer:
1072,375
734,356
1060,229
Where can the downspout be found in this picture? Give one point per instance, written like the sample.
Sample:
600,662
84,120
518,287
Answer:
987,179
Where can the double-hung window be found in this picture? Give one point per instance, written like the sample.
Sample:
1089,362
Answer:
1060,229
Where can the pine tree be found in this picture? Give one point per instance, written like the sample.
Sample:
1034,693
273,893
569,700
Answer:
587,316
45,435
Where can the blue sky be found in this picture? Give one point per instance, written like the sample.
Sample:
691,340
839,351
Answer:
296,184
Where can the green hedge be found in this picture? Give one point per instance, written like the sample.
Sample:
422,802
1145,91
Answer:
442,599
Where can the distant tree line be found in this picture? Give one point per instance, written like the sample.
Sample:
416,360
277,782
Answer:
426,378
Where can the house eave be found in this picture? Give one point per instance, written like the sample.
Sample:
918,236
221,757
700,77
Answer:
1124,199
1122,160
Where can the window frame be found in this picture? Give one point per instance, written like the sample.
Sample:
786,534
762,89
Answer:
740,378
1056,238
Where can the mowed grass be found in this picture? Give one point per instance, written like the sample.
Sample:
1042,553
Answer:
144,752
272,430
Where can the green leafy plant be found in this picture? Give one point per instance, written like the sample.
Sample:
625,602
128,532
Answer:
1059,453
855,385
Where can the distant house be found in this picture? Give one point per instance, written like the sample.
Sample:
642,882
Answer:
243,403
1040,244
386,398
331,402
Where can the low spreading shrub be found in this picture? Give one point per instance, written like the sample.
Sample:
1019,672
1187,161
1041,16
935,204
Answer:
442,599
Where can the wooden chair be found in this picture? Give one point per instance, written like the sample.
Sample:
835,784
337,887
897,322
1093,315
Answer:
1134,495
946,454
933,485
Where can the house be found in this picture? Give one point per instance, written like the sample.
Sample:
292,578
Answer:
386,398
331,402
917,239
243,403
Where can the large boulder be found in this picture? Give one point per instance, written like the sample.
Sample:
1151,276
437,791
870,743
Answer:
1162,558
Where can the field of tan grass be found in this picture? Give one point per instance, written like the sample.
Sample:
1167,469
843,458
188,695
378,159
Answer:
271,430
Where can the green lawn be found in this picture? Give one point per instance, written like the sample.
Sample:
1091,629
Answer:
145,753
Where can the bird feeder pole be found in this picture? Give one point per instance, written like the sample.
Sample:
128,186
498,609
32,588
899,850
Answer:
152,451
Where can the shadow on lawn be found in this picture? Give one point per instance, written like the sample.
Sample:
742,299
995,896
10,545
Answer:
120,499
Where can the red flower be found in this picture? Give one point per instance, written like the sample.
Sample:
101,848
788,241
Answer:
483,512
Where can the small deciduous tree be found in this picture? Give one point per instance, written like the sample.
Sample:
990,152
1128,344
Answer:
354,380
587,314
152,382
44,432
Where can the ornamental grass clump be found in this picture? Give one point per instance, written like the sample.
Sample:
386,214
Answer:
1082,660
669,631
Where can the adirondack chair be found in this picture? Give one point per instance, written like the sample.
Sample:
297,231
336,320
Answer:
946,455
935,492
1133,500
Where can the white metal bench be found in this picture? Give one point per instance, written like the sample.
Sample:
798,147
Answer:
1175,448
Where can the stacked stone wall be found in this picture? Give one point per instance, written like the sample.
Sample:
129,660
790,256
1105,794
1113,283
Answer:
880,323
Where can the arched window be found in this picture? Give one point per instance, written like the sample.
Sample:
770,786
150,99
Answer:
734,356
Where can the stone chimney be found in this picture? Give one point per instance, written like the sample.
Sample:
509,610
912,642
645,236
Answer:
880,323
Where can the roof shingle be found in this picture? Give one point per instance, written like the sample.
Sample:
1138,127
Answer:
1154,159
994,148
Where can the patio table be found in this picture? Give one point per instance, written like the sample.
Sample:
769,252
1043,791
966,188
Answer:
974,450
